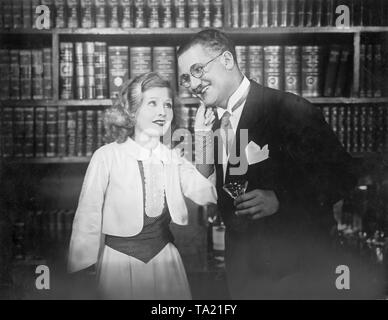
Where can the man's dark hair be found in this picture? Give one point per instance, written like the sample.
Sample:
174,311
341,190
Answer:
212,40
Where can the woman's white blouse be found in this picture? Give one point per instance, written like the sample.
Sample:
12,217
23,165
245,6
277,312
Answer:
111,199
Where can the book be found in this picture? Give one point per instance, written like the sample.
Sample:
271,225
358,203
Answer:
318,13
362,91
51,6
100,129
265,13
47,73
273,67
244,13
369,70
180,13
377,71
7,131
40,132
205,14
342,76
166,14
283,9
217,16
66,70
18,132
7,14
292,69
25,74
165,64
329,13
341,125
62,131
100,69
28,132
140,14
71,131
90,84
37,74
255,14
234,13
72,13
14,75
256,63
80,77
90,127
87,20
118,68
153,9
51,131
308,13
241,57
126,13
100,13
80,134
301,12
17,21
193,13
4,74
292,13
331,70
274,10
60,14
27,14
311,57
140,60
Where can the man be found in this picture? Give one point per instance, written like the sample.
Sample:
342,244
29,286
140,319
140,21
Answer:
277,233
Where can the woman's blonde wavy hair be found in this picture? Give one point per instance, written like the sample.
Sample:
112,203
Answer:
119,120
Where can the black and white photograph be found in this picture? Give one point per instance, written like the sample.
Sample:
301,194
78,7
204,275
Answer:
217,151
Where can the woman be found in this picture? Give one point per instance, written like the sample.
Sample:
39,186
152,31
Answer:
132,189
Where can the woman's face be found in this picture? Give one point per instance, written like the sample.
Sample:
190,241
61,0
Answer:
155,114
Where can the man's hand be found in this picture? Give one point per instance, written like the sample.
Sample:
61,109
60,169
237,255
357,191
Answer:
204,118
257,204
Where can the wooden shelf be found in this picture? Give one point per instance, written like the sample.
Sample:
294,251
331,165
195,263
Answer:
85,103
342,100
47,160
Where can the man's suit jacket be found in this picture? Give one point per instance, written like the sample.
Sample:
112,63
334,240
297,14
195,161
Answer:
308,170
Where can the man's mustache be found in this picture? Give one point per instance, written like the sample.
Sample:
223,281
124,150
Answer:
198,89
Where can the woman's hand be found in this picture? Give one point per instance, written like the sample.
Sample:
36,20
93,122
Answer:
204,118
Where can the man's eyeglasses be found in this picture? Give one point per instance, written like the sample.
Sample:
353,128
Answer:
197,70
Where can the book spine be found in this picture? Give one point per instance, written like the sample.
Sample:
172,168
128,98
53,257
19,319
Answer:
166,14
60,13
51,131
205,13
80,133
4,74
66,70
310,71
89,70
241,55
235,13
255,14
61,131
180,13
100,69
326,114
90,135
87,14
51,5
331,71
342,73
100,128
341,125
80,81
244,13
72,13
217,13
362,92
377,68
7,131
15,75
369,70
18,132
273,67
334,119
274,13
100,13
301,12
256,64
153,6
27,14
17,21
118,69
362,129
265,13
370,130
140,14
329,12
164,63
292,13
284,13
7,14
1,17
309,9
140,60
318,13
348,128
37,74
40,131
71,133
193,8
126,13
29,132
47,73
292,69
380,128
25,74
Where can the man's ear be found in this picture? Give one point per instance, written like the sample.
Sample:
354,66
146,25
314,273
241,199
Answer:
228,60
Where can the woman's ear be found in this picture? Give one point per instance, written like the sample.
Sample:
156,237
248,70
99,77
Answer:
228,60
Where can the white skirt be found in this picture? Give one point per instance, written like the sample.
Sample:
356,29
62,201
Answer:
162,278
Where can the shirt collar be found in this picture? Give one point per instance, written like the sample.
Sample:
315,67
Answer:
160,152
237,95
